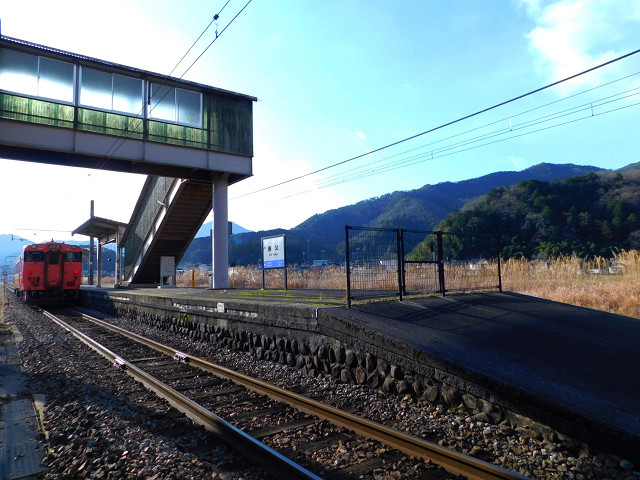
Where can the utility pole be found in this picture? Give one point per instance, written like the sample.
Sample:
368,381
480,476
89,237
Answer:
91,250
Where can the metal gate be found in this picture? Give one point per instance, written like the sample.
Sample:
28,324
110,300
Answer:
385,262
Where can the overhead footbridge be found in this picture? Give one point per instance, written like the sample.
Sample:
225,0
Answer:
62,108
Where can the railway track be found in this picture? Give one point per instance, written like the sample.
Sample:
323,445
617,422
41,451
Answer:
260,411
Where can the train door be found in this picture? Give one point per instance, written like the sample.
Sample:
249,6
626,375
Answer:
71,270
53,270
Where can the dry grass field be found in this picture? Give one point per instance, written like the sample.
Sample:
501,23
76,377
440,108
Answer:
611,285
601,284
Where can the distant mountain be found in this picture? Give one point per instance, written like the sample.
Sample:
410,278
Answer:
205,229
424,208
10,248
628,168
319,236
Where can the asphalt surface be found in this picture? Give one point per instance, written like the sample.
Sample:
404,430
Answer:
585,360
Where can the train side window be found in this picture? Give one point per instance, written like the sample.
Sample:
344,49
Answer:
33,256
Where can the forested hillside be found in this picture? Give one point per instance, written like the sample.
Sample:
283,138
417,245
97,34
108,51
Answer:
586,215
424,208
320,236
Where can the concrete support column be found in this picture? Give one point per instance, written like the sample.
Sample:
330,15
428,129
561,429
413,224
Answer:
118,264
99,264
91,259
119,234
220,234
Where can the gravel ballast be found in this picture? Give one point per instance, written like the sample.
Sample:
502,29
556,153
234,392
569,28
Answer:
99,424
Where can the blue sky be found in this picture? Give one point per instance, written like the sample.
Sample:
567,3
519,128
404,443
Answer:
337,79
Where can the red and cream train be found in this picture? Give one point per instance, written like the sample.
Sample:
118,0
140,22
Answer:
48,272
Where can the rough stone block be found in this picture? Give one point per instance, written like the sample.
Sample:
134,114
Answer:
396,372
389,385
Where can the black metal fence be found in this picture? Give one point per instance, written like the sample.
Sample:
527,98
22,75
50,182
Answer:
383,262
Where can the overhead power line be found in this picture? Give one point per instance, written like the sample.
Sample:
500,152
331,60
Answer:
217,36
507,133
379,166
118,142
439,127
214,19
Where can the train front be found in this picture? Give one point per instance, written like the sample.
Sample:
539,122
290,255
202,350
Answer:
48,272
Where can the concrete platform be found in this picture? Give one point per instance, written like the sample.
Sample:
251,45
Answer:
20,449
547,360
571,368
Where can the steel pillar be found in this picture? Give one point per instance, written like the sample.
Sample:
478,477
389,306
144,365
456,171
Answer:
220,233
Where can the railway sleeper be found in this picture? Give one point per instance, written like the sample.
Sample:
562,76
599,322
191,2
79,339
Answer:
283,427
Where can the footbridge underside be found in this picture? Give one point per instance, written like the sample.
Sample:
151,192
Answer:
51,145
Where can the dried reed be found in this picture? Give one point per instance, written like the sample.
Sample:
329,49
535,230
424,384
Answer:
611,285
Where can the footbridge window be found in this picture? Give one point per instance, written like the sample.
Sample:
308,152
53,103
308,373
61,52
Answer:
60,89
36,76
175,105
110,91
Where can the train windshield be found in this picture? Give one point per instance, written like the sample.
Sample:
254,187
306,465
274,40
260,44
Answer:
33,256
54,258
72,256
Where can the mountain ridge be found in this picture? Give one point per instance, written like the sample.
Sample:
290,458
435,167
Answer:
425,207
419,209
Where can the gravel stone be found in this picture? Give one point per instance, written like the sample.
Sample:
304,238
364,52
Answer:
94,433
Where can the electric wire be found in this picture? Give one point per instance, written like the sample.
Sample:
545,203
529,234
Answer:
439,127
366,171
381,171
217,36
592,104
502,120
215,18
118,142
433,155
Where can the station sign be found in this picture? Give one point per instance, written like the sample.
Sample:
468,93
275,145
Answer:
273,252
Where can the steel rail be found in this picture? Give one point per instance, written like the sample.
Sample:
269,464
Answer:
276,463
452,461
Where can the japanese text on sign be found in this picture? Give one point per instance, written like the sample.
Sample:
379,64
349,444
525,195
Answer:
273,252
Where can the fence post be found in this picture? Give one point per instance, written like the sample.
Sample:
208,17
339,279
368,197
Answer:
499,269
440,262
400,260
404,273
347,264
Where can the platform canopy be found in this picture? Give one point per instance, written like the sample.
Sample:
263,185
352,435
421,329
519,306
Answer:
103,229
106,231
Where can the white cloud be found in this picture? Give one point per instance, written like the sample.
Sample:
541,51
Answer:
574,35
357,134
518,162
